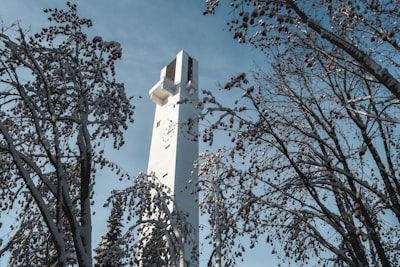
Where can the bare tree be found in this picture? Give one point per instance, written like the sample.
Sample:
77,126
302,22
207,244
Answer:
59,103
315,154
313,168
214,204
158,230
362,35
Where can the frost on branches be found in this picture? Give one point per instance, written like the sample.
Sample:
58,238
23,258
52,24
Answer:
355,34
313,164
312,169
157,230
59,103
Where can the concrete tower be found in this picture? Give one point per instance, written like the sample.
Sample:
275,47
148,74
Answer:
173,148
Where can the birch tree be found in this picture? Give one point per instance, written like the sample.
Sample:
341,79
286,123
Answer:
157,229
59,102
214,204
362,35
314,134
313,168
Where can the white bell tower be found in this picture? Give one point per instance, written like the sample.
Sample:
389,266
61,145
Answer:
173,148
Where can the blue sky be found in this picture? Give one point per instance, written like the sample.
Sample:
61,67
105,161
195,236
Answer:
151,33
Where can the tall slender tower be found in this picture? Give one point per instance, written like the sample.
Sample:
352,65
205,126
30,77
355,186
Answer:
174,147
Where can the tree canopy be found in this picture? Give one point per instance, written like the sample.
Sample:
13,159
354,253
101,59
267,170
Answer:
312,168
359,35
157,230
59,103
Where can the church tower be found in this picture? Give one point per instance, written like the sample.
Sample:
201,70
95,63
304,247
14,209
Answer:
174,147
